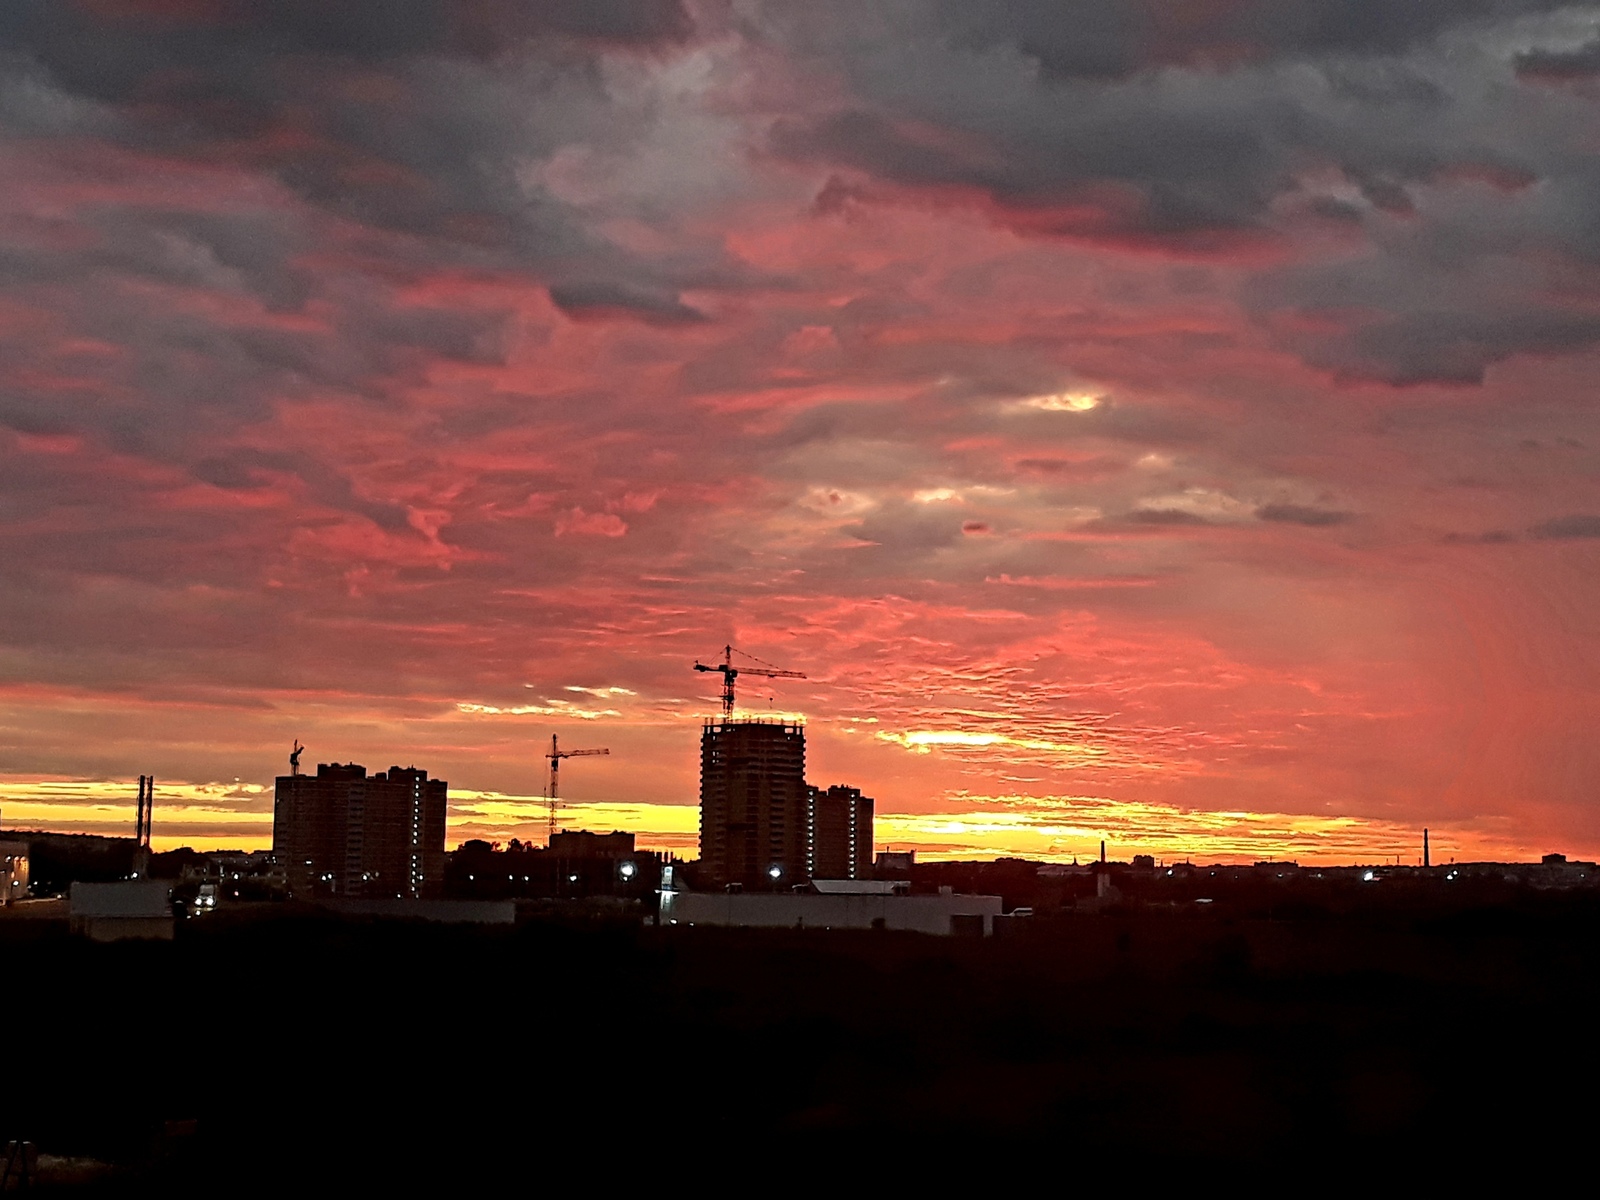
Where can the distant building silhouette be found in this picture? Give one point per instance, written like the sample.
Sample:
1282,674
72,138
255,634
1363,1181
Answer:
57,860
343,832
13,872
581,843
894,864
839,833
577,865
248,875
753,803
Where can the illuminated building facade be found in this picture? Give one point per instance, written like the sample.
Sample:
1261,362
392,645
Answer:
837,904
839,833
753,803
343,832
13,872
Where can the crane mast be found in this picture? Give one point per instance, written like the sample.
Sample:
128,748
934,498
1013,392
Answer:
555,754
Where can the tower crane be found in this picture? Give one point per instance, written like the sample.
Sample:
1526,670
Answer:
555,754
731,672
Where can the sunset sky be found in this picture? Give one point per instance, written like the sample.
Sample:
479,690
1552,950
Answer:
1166,421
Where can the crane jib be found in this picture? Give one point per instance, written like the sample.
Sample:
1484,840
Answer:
731,672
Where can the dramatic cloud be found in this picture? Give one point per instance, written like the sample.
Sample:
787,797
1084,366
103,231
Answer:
1131,416
1240,132
1300,514
1577,526
1561,65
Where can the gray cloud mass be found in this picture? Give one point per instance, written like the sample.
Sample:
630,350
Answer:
1301,514
1198,130
1578,525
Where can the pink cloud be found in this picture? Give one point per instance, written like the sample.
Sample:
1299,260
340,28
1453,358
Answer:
324,419
607,525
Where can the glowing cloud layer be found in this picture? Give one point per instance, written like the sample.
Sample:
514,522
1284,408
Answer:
1188,406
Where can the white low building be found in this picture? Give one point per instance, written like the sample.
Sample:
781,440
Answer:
134,908
836,904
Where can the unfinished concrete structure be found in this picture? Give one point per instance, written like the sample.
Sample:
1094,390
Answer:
753,803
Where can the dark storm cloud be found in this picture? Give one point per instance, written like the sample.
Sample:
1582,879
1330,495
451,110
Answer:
1456,347
1203,129
1194,161
1300,514
1164,516
1491,537
1113,39
1176,126
446,333
153,377
1099,40
1069,468
1578,525
600,299
418,116
204,371
111,49
1559,66
1195,174
172,213
248,469
247,252
1451,346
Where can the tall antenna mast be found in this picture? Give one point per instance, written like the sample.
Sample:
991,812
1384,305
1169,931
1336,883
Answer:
147,804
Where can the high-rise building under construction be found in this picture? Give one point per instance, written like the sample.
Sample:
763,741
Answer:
761,825
753,803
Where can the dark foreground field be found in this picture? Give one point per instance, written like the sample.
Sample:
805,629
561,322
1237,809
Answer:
284,1054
